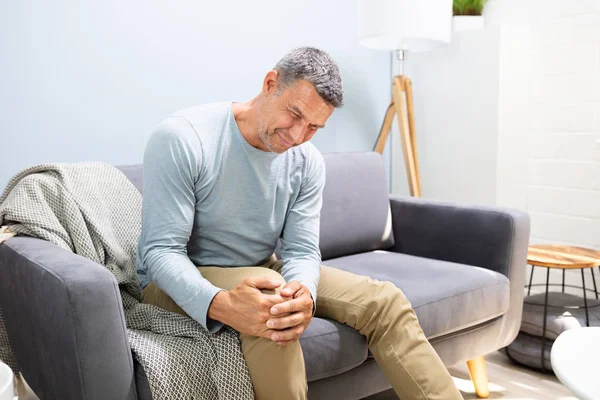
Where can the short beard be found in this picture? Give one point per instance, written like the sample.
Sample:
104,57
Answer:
265,137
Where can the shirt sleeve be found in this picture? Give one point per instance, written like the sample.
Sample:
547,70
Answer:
300,237
172,166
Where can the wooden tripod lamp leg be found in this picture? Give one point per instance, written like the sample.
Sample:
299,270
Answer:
407,146
406,122
385,129
411,126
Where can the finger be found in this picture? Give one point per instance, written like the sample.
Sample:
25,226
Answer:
262,282
287,307
286,322
291,306
268,333
290,288
273,299
288,334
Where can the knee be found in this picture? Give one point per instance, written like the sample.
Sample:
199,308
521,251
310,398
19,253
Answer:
274,276
386,297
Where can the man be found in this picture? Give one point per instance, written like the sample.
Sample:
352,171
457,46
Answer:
222,183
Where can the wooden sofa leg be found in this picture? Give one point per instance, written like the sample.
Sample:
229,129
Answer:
479,376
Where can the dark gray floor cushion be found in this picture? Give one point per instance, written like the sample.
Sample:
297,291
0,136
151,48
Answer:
526,349
447,297
322,345
561,314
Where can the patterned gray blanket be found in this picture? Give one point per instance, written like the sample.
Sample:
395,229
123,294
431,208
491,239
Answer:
93,210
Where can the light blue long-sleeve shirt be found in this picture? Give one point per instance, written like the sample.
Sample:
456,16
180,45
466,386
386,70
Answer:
211,199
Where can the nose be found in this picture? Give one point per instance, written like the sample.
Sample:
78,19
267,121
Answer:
297,132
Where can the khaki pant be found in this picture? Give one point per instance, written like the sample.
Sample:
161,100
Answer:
378,310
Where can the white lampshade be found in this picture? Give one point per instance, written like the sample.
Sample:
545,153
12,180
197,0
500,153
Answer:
414,25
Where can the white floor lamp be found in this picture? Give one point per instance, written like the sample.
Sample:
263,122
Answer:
404,25
413,25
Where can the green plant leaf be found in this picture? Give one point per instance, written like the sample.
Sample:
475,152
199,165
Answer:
468,7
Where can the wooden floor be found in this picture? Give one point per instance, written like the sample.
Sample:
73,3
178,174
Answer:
508,381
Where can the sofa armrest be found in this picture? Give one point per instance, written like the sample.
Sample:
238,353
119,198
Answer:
487,237
65,322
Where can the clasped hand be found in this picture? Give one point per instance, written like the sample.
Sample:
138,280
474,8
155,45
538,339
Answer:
290,318
280,317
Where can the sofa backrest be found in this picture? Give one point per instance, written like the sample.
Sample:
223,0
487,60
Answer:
355,217
135,173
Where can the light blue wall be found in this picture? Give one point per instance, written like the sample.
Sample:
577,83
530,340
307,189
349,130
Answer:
86,81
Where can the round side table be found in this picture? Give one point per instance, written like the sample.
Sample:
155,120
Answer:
562,257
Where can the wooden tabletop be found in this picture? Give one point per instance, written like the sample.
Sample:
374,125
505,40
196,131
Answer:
562,256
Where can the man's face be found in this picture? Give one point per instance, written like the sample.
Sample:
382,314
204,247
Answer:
292,116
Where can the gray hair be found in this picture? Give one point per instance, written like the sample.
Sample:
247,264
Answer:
315,66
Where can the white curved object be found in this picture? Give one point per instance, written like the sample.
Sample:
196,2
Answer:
414,25
7,390
575,360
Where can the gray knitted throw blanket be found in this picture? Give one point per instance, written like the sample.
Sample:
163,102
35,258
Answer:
93,210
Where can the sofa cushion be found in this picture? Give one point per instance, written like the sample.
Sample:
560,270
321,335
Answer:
355,217
446,296
141,381
329,349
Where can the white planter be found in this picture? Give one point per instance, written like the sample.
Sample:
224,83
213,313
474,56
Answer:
467,23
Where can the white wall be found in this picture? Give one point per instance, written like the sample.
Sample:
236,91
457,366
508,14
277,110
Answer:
456,102
514,122
89,80
510,115
564,144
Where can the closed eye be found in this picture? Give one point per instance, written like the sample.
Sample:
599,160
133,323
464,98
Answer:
297,114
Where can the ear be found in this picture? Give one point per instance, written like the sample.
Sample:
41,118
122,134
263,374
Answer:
270,83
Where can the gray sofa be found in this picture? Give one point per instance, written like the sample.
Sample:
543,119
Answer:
462,268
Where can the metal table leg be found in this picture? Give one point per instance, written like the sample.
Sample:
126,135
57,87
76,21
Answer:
544,323
587,316
530,281
594,279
